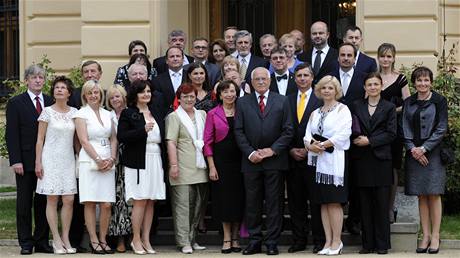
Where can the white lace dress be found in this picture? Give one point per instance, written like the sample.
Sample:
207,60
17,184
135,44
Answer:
58,157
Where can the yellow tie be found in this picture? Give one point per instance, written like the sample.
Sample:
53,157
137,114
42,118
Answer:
301,107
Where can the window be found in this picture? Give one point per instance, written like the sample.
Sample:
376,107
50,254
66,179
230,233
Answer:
9,42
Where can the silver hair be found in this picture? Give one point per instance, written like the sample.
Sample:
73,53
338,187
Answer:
243,33
266,70
131,67
176,33
33,70
268,35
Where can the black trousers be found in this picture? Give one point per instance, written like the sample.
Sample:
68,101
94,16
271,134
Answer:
297,189
25,200
316,224
374,217
77,226
260,186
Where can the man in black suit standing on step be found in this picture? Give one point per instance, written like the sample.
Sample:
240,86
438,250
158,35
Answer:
263,132
322,57
282,81
176,38
22,113
248,61
301,177
363,62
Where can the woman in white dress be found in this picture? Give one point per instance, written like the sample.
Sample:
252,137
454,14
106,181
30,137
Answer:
327,136
96,160
56,177
140,129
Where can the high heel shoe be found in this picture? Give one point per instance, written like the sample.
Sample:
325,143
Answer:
94,249
141,252
58,251
324,251
336,251
227,250
434,251
420,250
70,250
149,251
106,249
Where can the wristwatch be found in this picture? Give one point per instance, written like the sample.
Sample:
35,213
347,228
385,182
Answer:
423,149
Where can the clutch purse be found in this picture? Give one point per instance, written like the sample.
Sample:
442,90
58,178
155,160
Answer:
355,126
321,138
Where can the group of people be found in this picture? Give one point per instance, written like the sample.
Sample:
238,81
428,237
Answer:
326,126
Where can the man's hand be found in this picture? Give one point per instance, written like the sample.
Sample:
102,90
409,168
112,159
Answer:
18,169
256,157
266,152
298,154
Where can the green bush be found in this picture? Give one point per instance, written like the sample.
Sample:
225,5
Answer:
18,87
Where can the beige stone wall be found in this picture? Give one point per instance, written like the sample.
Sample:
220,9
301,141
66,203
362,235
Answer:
415,27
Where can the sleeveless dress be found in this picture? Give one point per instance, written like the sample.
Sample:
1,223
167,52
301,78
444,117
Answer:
58,157
151,181
228,192
96,186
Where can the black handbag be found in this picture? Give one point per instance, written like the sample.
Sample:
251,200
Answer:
321,138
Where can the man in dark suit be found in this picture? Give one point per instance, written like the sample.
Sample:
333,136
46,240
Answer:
300,38
248,61
90,70
22,113
263,132
352,82
322,57
176,38
168,83
200,51
301,177
363,62
267,43
282,81
229,38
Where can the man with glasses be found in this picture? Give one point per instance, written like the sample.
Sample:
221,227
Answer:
200,51
282,81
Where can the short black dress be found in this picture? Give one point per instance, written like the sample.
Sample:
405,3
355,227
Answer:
393,93
228,192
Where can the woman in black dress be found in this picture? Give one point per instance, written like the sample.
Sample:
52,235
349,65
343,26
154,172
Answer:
198,76
224,158
396,90
371,152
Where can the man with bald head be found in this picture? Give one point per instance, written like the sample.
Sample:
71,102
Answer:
263,132
300,38
321,56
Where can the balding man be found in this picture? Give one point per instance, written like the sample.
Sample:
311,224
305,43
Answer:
263,132
321,56
176,38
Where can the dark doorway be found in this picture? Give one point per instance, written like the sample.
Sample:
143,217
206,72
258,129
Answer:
9,42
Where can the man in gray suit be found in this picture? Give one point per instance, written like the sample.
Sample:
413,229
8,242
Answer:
200,51
263,132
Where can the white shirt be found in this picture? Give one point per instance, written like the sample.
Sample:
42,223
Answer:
356,59
323,54
186,62
176,78
282,84
345,86
307,97
265,97
40,96
246,58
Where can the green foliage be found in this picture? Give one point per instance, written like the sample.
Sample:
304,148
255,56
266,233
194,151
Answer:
448,85
18,87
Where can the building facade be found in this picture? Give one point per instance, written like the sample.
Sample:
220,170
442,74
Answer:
71,31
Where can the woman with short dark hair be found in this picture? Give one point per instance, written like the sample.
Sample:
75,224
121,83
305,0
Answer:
424,125
134,47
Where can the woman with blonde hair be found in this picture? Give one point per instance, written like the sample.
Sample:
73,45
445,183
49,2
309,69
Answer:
96,132
327,137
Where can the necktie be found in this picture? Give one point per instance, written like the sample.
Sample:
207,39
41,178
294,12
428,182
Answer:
261,103
345,83
38,106
176,82
317,63
301,107
279,78
243,68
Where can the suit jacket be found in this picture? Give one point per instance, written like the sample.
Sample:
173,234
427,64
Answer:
160,63
271,129
291,86
253,64
355,88
299,128
75,99
131,132
328,66
22,129
213,72
365,64
163,84
215,129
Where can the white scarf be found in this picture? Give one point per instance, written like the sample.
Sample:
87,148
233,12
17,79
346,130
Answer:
196,132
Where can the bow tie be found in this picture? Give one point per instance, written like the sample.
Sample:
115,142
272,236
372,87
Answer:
282,77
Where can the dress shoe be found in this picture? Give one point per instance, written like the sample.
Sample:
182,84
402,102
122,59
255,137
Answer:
196,246
383,251
228,249
44,249
365,251
317,248
296,248
140,252
272,250
420,250
236,248
324,251
252,249
26,251
106,248
187,249
96,248
336,251
149,250
434,251
58,250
